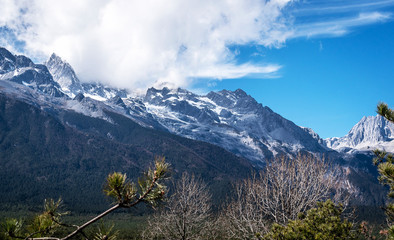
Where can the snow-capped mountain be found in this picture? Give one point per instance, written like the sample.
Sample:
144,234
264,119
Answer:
65,75
22,70
230,119
368,134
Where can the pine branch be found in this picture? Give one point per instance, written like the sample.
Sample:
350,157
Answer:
93,220
385,111
119,205
117,187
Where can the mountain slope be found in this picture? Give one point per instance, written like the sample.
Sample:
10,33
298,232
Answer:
46,152
368,134
232,120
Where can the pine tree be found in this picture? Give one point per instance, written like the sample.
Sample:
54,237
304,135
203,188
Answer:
124,193
323,223
385,163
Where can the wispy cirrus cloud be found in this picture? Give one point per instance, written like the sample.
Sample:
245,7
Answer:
338,26
335,18
336,7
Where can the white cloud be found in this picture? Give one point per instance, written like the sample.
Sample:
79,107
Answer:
137,44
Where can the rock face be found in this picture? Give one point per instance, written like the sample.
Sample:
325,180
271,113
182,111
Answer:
22,70
369,133
65,75
230,119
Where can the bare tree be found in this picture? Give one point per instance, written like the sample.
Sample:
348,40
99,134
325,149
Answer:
286,187
186,215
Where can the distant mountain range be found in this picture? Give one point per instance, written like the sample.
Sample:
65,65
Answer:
78,127
232,120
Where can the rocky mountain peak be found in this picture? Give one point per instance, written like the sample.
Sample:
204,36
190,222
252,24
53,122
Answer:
22,70
54,58
238,100
117,101
79,97
164,95
369,133
240,93
7,61
231,119
5,54
22,61
64,74
372,129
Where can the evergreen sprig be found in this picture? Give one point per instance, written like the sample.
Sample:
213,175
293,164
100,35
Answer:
125,194
149,190
385,163
384,110
12,228
323,222
105,232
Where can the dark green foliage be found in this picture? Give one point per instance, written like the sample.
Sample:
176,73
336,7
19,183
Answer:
149,189
385,111
120,189
42,224
385,163
106,232
11,228
126,195
323,223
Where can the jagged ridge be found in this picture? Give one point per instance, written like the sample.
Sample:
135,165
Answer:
230,119
369,133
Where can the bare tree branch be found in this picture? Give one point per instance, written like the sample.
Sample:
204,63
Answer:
278,194
187,214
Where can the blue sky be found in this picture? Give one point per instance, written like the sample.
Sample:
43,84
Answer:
327,82
320,64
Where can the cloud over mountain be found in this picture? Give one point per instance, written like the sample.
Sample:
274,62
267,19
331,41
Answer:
136,44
